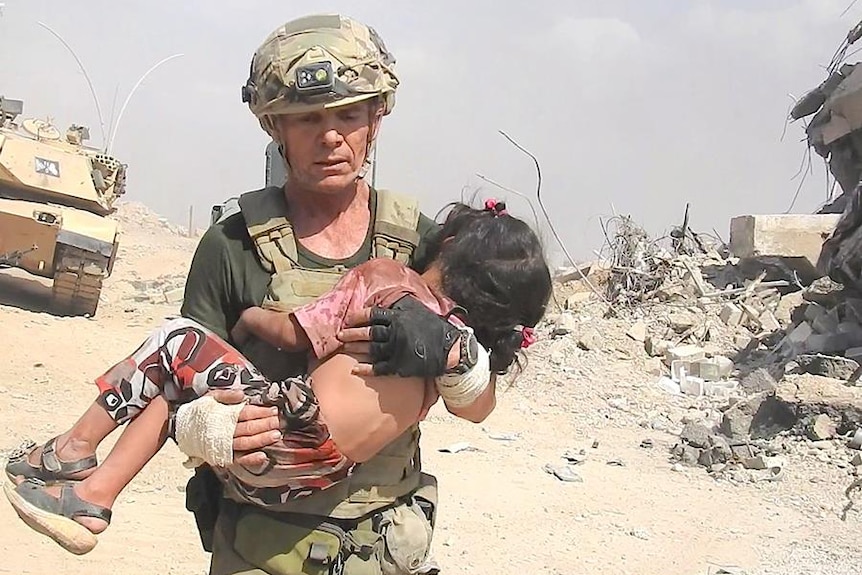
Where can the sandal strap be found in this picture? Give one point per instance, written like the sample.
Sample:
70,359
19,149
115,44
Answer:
68,504
53,468
73,506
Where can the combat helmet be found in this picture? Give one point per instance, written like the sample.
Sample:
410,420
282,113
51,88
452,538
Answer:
318,62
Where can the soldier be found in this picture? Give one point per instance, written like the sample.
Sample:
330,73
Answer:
320,86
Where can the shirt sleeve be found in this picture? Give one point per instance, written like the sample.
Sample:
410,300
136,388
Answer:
207,296
323,318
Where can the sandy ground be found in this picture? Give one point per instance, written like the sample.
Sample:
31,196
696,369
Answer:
500,512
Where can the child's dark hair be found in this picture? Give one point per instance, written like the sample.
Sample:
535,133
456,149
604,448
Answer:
493,266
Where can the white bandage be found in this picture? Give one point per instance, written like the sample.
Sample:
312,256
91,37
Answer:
460,390
205,428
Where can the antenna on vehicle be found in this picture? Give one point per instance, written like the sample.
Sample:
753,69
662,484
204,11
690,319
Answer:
86,77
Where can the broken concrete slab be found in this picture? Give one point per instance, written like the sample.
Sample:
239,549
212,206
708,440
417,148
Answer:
794,239
761,416
835,367
758,381
808,396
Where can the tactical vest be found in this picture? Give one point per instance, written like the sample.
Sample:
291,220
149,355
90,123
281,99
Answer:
394,472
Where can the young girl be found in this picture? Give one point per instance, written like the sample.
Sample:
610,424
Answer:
485,263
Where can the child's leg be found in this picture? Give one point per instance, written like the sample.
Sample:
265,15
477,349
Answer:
71,515
170,361
180,361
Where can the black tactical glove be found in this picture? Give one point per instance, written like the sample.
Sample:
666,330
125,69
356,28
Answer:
409,340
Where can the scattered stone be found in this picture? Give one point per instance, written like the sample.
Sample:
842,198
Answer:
640,534
857,460
647,443
589,342
696,435
564,473
822,428
656,347
730,314
575,458
760,463
742,451
683,320
758,381
504,436
564,325
175,295
456,447
638,332
620,403
577,298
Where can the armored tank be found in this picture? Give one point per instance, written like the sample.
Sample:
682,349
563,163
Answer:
55,194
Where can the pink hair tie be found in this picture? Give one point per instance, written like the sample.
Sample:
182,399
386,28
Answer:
528,337
498,208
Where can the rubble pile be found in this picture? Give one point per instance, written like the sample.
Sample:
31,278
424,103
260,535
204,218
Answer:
163,289
138,217
769,357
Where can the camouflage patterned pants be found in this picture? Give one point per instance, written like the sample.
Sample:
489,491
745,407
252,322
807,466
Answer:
182,361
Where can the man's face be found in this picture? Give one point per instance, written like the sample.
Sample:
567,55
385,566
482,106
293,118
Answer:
326,149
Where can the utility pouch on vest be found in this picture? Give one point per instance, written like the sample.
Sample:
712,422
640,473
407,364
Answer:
289,545
408,529
395,540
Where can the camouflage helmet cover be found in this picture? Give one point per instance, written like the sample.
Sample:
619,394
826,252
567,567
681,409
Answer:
347,54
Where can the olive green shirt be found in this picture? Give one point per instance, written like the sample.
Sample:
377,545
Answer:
225,276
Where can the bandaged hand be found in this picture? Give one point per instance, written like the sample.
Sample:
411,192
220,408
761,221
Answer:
461,390
245,428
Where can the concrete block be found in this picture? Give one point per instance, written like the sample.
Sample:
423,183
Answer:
680,369
730,314
768,322
693,386
684,353
785,236
175,295
714,368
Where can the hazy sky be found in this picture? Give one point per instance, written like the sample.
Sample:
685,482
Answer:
633,105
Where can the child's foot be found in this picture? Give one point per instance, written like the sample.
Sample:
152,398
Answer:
60,513
58,459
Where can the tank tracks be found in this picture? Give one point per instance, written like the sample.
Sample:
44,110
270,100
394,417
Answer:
77,293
